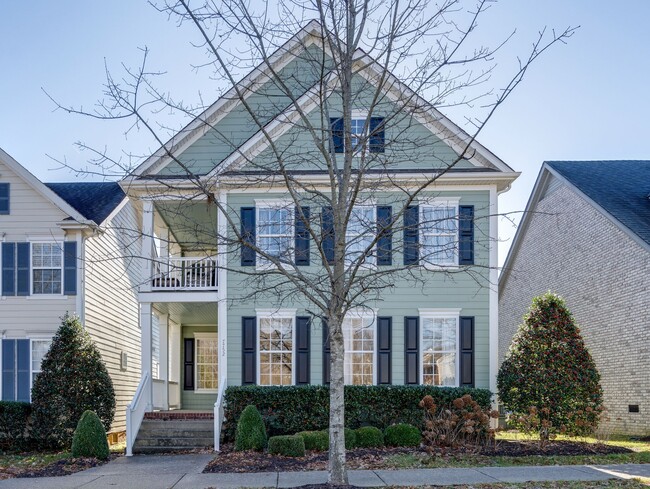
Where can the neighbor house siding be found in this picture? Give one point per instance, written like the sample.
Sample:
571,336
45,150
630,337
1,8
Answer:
572,249
111,308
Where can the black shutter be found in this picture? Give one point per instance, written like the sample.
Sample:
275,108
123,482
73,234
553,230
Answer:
249,350
466,235
376,135
248,236
303,336
384,352
336,124
412,350
4,198
70,267
385,241
411,235
467,351
302,237
22,269
8,269
188,364
327,230
326,353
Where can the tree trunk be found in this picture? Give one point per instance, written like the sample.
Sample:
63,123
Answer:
337,472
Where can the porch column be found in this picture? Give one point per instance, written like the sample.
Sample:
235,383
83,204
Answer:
145,331
164,358
147,245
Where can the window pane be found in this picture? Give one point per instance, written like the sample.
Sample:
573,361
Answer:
39,350
439,344
276,340
358,336
207,369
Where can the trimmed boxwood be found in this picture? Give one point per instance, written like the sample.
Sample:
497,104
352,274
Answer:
369,437
315,440
350,438
287,445
402,435
251,432
89,439
14,426
290,409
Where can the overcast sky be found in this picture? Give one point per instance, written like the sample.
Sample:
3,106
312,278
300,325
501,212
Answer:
586,100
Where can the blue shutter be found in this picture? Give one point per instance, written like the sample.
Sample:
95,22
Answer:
466,235
249,350
411,235
385,241
8,269
384,349
248,236
336,124
22,268
377,138
327,229
8,370
303,340
70,267
412,350
4,198
302,237
22,370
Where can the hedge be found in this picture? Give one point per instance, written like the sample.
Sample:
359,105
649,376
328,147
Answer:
402,435
15,426
290,409
287,445
369,437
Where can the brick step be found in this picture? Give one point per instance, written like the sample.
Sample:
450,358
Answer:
203,424
180,433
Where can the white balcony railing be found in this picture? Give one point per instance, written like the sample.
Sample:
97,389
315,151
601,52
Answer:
184,273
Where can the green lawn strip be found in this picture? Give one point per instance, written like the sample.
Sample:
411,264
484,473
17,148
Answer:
614,440
30,460
616,483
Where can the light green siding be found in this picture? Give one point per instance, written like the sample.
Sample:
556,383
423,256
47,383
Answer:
191,399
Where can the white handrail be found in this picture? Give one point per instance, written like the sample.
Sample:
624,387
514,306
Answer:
184,273
135,413
218,415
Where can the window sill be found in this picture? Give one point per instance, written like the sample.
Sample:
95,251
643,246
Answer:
47,297
438,268
206,391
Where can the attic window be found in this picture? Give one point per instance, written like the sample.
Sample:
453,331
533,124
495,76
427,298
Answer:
371,133
4,198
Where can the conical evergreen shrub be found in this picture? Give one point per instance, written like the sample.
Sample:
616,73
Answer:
89,438
548,379
73,379
251,431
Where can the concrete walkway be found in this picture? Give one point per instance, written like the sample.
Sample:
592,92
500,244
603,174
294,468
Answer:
185,472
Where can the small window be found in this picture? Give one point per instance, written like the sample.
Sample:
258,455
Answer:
39,350
4,198
365,135
47,268
439,347
275,232
359,339
360,233
276,350
207,353
439,234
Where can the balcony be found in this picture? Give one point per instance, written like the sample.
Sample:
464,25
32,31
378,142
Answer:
184,274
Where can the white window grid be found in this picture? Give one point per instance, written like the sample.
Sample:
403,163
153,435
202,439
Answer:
206,360
38,348
439,234
46,268
275,352
275,231
361,231
359,336
439,357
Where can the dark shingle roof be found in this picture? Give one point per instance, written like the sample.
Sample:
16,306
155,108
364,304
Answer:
93,200
622,188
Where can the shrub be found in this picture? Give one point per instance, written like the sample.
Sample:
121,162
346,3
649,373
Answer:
287,445
289,409
548,380
463,423
251,432
369,437
402,435
315,440
14,426
89,439
73,379
350,438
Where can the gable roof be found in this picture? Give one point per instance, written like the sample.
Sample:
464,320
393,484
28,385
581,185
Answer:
94,200
619,189
434,120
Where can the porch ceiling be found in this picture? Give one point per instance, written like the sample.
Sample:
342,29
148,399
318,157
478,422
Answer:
190,313
192,223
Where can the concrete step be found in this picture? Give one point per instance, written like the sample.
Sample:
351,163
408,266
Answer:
174,442
163,450
168,435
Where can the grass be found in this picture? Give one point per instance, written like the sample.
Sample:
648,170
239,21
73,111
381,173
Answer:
640,455
616,483
30,460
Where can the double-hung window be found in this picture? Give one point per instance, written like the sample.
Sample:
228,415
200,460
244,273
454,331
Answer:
439,233
439,352
207,356
361,231
275,231
276,332
366,135
359,333
39,350
47,268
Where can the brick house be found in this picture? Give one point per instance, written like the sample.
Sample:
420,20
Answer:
586,236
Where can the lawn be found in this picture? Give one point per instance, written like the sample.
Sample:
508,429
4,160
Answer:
610,484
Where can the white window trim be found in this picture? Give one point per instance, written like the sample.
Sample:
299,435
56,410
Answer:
434,202
31,363
266,204
428,313
204,336
275,314
372,314
31,268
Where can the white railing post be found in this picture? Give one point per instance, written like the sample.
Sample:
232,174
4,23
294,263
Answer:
218,415
135,413
147,245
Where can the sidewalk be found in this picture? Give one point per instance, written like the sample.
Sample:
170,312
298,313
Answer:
184,472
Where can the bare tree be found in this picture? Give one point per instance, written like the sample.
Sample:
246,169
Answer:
398,63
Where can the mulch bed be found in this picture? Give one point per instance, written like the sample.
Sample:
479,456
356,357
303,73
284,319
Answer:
374,458
59,468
